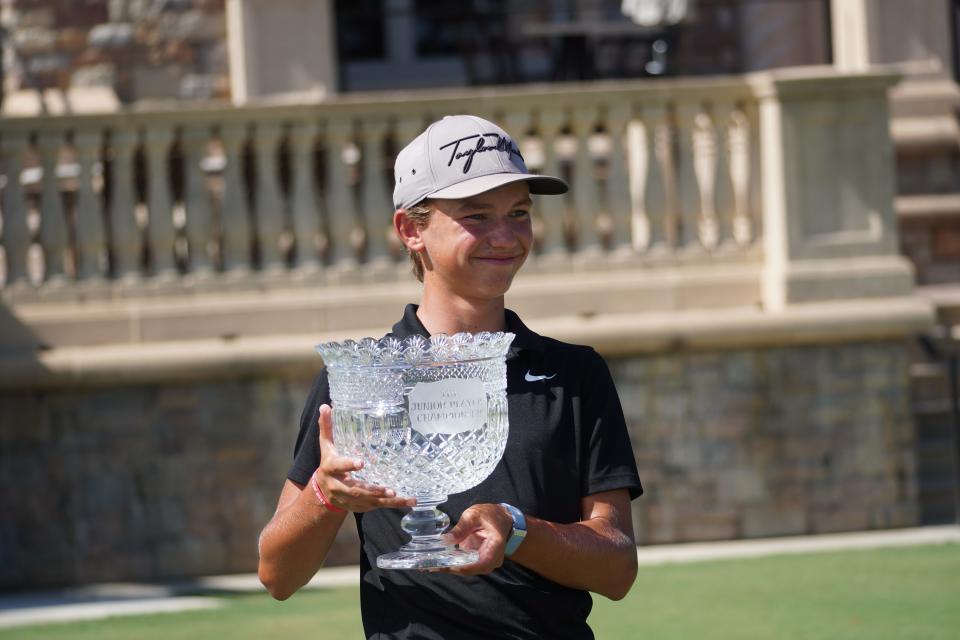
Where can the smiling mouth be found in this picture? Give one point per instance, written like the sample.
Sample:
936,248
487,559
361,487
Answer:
498,259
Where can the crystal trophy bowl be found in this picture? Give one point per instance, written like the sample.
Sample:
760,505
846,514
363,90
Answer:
428,418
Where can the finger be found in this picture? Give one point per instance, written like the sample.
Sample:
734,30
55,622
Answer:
325,427
373,489
334,465
362,504
489,559
361,494
464,527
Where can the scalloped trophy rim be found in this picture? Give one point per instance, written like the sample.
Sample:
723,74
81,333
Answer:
415,351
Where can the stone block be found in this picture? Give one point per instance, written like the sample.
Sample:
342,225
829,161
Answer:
775,520
99,75
635,403
112,35
661,524
200,26
709,525
156,82
34,40
728,426
741,486
48,63
43,17
71,40
135,11
848,517
215,58
721,454
670,408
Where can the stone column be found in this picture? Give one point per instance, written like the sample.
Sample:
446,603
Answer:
124,234
160,231
236,213
197,200
584,187
16,233
281,47
829,227
339,198
53,229
91,234
618,181
551,209
377,204
269,201
304,210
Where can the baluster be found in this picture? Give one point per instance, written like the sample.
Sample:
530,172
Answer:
739,145
662,193
638,149
551,209
585,186
160,233
339,198
236,215
16,235
704,147
618,180
724,196
306,218
91,236
196,200
688,211
269,207
377,203
754,213
123,224
53,228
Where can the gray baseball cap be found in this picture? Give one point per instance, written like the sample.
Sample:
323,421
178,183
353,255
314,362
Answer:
459,157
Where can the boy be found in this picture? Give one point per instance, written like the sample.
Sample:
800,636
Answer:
552,521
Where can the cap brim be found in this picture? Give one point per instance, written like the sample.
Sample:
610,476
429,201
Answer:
539,185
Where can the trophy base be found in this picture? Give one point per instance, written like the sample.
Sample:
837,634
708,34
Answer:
427,559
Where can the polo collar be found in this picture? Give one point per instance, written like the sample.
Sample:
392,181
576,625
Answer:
525,339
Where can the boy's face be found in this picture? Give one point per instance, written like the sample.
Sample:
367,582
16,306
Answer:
473,247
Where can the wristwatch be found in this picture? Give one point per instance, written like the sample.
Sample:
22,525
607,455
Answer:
519,531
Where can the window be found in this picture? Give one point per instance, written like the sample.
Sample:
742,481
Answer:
437,25
361,30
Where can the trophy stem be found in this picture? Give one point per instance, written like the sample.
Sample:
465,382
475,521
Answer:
426,550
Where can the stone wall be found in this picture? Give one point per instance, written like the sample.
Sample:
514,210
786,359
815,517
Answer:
160,481
141,49
147,482
768,442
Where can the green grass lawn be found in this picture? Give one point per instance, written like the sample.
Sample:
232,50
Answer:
911,593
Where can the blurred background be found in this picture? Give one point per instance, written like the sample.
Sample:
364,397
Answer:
762,238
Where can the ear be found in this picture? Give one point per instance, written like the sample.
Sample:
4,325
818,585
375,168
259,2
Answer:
408,231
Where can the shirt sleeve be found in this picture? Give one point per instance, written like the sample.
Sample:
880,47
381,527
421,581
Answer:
306,453
607,450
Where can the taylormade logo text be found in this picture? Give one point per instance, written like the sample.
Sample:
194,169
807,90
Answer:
484,143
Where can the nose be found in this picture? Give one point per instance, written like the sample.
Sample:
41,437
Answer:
504,234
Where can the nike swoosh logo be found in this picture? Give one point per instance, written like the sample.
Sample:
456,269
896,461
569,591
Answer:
529,377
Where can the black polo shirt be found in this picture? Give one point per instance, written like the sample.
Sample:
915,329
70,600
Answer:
567,440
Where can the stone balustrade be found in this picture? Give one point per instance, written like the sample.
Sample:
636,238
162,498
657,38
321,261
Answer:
108,205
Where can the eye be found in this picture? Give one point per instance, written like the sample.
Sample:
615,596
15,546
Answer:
519,213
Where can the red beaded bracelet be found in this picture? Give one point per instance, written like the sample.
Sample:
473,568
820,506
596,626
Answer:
322,498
